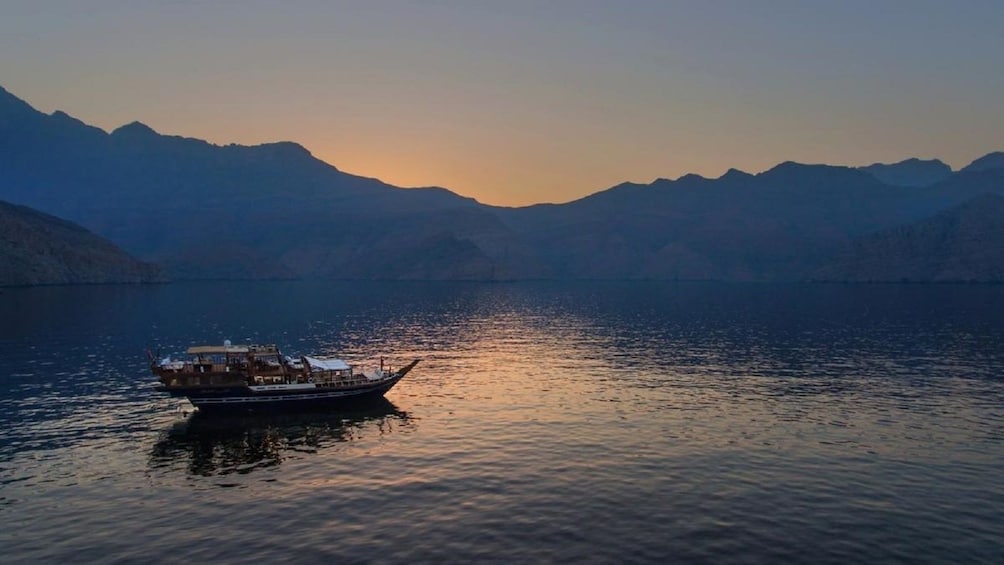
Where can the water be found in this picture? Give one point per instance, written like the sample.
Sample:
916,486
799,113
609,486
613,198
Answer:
592,422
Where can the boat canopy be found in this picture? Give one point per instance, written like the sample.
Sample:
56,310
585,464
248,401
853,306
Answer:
216,349
327,364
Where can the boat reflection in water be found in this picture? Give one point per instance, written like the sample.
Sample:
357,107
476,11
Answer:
208,444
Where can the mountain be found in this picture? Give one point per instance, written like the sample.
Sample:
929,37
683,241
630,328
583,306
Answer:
781,224
233,211
964,243
987,162
37,248
911,172
275,211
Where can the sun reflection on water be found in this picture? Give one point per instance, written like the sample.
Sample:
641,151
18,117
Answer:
714,422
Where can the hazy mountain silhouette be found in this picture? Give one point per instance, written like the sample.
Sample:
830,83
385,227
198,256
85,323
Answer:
964,243
780,224
233,211
37,248
986,163
273,210
911,172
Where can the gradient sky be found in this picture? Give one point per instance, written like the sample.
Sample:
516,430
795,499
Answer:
519,102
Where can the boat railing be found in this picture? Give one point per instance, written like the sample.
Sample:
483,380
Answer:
343,381
196,367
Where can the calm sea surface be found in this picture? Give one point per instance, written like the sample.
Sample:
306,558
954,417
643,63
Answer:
584,422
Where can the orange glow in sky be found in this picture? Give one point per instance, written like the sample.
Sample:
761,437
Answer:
524,102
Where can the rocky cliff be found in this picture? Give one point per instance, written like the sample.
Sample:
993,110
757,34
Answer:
964,243
37,248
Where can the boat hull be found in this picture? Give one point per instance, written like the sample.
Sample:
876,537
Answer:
248,400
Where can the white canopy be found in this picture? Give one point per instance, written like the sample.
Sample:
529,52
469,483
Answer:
327,364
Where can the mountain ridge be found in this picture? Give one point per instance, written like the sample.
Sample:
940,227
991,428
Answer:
963,243
274,210
910,172
994,160
40,249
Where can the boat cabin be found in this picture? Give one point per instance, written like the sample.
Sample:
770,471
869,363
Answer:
227,365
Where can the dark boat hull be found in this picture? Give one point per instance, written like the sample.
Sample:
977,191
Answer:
247,400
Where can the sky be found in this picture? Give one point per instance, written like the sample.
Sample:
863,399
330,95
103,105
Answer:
518,102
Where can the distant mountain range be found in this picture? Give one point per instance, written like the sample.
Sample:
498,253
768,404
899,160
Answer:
963,243
911,172
37,248
274,211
